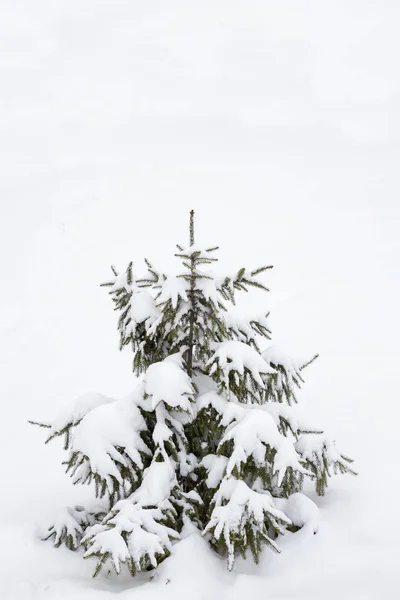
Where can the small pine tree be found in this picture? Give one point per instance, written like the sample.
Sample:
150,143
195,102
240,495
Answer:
209,435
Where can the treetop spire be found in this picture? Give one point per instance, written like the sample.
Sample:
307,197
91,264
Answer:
191,228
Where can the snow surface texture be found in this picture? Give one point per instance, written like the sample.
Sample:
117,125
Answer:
278,123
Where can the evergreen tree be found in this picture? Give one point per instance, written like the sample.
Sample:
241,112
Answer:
209,435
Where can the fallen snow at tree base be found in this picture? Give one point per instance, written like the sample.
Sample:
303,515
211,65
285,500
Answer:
301,510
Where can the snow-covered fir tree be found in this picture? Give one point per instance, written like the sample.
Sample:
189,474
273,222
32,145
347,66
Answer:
209,435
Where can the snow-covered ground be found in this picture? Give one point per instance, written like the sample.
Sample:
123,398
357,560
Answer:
279,123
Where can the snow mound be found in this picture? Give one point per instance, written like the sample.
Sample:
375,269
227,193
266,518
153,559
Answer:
167,382
301,510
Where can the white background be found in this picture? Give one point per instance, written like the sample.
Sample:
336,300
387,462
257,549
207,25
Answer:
279,123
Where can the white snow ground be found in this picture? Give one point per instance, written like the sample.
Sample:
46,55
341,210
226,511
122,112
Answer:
279,122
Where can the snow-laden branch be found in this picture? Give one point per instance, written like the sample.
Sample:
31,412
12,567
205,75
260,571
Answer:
70,525
251,435
104,442
322,458
241,369
246,329
282,387
242,517
139,530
